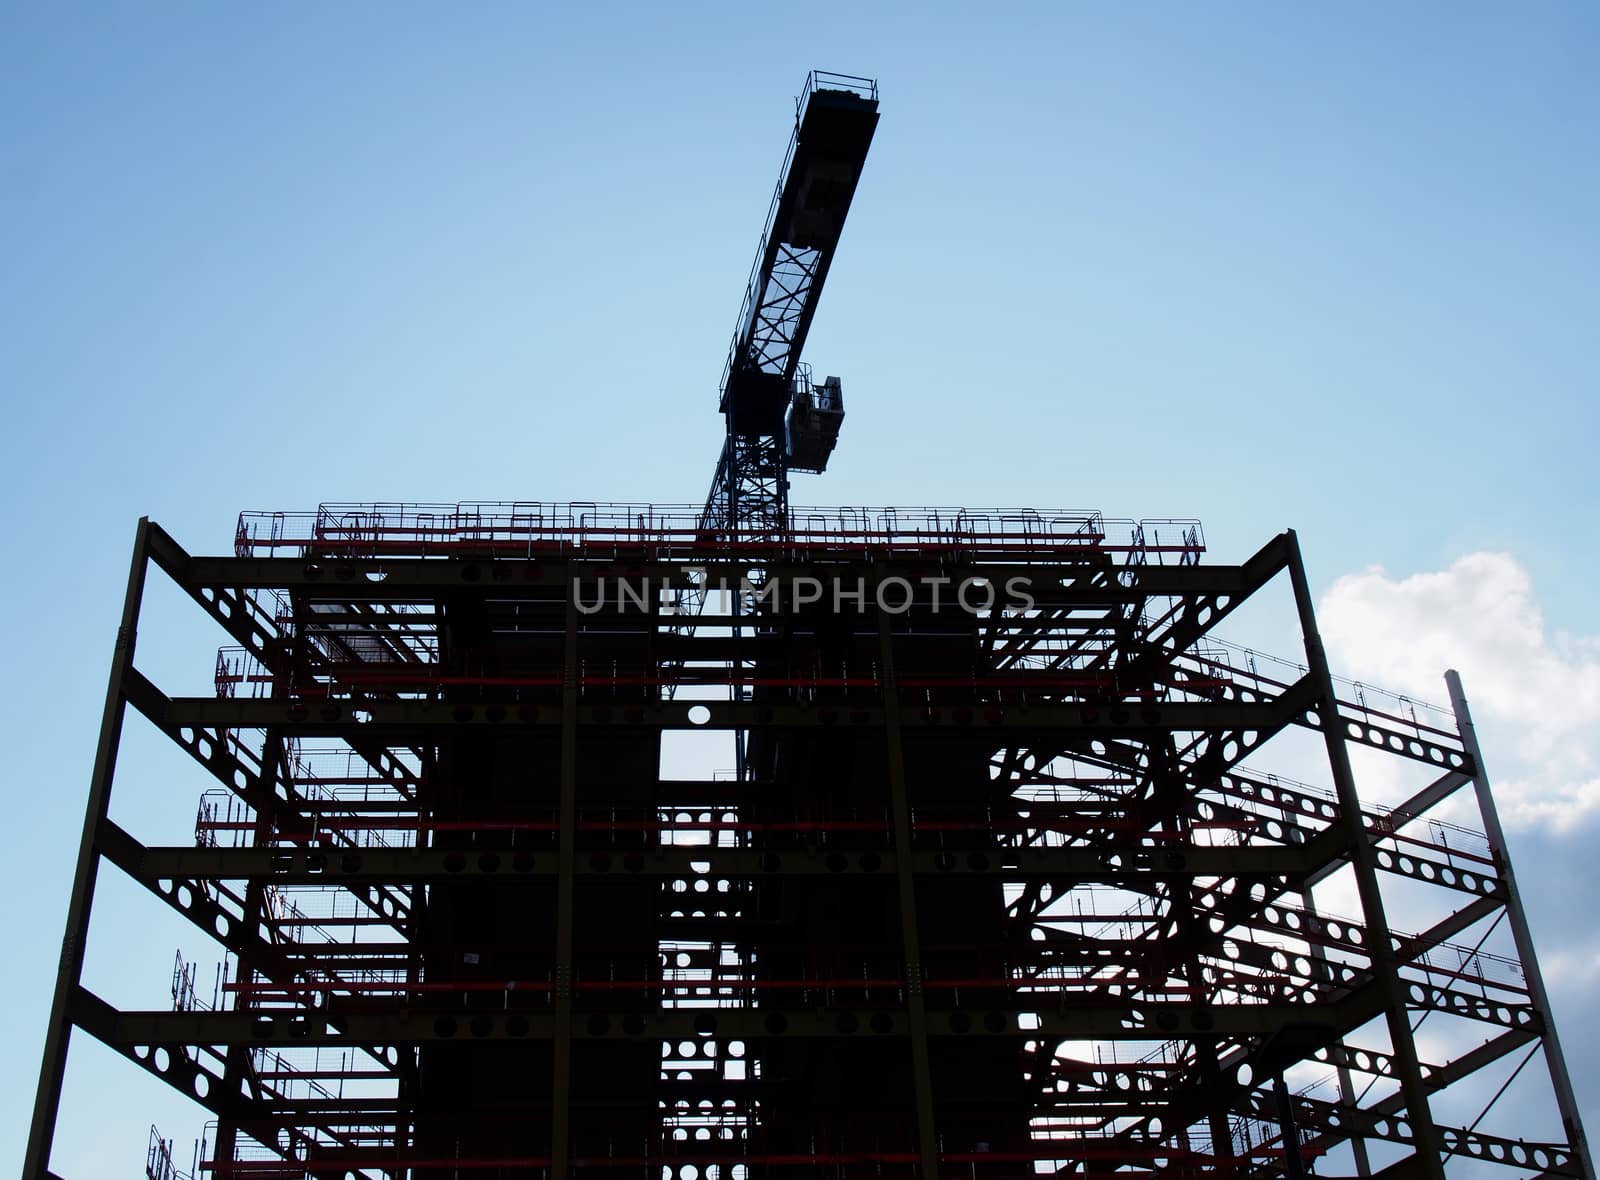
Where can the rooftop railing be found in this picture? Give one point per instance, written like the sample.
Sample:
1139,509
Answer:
674,532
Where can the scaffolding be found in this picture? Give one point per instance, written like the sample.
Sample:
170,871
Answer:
998,889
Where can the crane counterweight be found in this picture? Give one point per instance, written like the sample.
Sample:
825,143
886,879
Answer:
811,427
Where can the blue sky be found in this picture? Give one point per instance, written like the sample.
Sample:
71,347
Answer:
1330,267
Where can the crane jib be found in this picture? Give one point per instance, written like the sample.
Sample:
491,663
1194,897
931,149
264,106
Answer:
829,147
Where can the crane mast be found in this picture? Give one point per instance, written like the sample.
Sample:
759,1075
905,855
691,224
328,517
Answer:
777,420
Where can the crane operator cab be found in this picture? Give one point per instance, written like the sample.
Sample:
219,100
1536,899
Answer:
811,426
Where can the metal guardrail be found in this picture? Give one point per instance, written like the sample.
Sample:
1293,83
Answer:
531,528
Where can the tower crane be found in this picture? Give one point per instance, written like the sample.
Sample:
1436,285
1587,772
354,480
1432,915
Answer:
777,420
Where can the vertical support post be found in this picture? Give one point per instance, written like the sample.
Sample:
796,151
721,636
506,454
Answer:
1347,1091
1168,785
566,902
737,691
263,800
1555,1060
1205,1050
1294,1167
69,969
1380,942
911,943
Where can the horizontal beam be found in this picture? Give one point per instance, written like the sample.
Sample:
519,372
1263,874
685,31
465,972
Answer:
1413,946
413,718
407,1026
289,866
1071,580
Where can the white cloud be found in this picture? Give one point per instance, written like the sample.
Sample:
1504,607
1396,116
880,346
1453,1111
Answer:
1574,968
1535,696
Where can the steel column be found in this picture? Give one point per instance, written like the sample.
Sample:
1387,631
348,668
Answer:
566,902
1555,1060
1379,940
911,941
69,969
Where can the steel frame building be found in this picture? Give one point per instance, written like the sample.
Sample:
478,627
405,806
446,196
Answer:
999,892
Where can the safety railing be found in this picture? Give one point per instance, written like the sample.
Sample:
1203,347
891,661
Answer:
674,532
240,674
186,996
158,1162
1403,719
826,80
